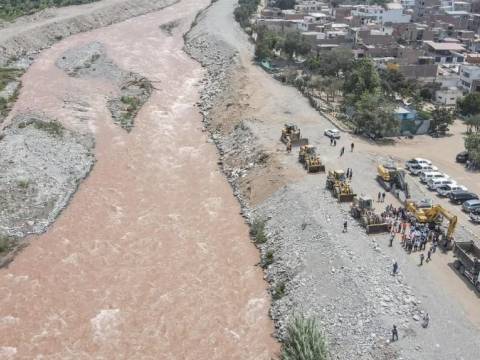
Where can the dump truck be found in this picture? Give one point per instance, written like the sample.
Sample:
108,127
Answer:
307,155
467,261
339,185
291,133
362,209
392,179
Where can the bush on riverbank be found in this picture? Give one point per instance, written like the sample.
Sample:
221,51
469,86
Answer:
304,341
245,9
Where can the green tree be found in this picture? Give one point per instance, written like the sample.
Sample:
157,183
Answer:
374,115
472,145
441,117
470,104
285,4
473,122
331,63
295,43
362,79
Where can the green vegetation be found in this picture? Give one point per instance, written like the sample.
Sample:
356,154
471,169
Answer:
469,105
245,9
132,103
304,341
472,145
473,123
278,291
257,231
441,118
6,244
11,9
268,259
8,75
24,184
53,127
365,98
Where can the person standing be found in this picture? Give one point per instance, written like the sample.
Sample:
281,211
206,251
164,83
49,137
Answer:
289,147
351,147
422,257
345,225
379,196
351,174
331,141
334,142
392,236
383,197
342,151
395,268
394,333
429,255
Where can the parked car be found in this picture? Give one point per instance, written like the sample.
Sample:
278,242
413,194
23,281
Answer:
332,133
460,196
416,161
462,157
427,176
475,216
417,169
444,190
471,205
433,184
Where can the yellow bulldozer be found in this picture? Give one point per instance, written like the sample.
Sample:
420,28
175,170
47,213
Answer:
291,133
307,155
339,185
434,215
362,209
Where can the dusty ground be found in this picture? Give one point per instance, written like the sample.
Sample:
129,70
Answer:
344,280
151,259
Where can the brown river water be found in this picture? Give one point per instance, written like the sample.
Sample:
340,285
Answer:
151,259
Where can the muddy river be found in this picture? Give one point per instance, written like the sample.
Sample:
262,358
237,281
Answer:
151,259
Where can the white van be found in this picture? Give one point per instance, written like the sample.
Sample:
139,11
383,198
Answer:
419,168
426,176
433,184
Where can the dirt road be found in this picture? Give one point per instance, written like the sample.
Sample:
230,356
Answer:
151,260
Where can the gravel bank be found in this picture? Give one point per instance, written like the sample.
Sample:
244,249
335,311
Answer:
42,165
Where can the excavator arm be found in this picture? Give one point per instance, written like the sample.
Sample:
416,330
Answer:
433,213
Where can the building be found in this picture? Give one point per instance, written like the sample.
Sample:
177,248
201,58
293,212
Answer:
448,96
444,52
392,13
469,78
425,7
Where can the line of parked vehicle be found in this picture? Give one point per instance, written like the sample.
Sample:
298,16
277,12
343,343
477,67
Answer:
444,186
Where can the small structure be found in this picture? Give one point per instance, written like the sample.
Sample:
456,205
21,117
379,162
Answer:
448,96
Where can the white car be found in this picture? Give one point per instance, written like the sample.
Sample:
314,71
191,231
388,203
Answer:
427,176
332,133
444,190
435,183
417,169
417,161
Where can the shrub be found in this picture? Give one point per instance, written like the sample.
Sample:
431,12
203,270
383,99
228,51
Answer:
278,291
304,341
268,259
257,231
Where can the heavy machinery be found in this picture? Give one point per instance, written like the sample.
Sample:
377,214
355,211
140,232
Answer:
291,133
431,215
307,155
467,261
392,180
339,185
362,209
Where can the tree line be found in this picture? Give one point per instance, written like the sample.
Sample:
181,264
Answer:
11,9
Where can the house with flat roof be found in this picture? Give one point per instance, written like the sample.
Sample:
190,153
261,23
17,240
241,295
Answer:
445,52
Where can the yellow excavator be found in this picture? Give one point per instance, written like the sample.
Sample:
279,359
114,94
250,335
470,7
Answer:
307,155
431,215
291,133
339,185
392,179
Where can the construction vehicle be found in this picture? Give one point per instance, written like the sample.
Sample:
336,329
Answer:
392,179
291,133
307,155
339,185
432,215
362,209
467,261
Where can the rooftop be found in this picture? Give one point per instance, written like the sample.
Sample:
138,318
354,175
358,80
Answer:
394,6
444,46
